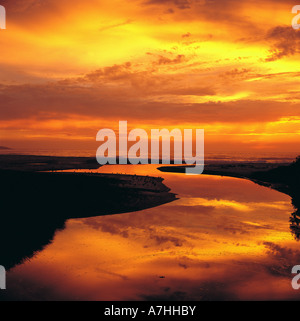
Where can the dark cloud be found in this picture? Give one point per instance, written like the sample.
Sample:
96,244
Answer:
286,42
114,72
161,239
282,253
126,71
233,73
186,35
180,4
165,61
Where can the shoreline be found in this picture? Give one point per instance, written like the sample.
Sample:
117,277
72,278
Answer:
37,204
253,171
245,170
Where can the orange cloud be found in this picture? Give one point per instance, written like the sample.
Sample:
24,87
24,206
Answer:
171,63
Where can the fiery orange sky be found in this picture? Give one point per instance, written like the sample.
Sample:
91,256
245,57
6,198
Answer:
70,68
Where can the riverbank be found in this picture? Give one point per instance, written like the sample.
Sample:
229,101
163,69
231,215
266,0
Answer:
36,201
117,193
35,205
283,177
259,172
279,176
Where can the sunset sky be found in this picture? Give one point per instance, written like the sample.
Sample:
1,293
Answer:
71,68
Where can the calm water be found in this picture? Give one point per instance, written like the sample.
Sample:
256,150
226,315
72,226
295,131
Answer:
224,239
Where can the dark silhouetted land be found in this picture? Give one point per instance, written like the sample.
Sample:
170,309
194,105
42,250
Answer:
45,163
35,204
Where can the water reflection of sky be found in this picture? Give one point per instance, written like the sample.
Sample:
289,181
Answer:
225,238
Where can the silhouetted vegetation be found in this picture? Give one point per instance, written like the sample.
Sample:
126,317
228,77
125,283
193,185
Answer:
288,176
287,180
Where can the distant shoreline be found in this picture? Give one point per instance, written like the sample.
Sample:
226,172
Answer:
35,163
243,170
253,171
24,162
